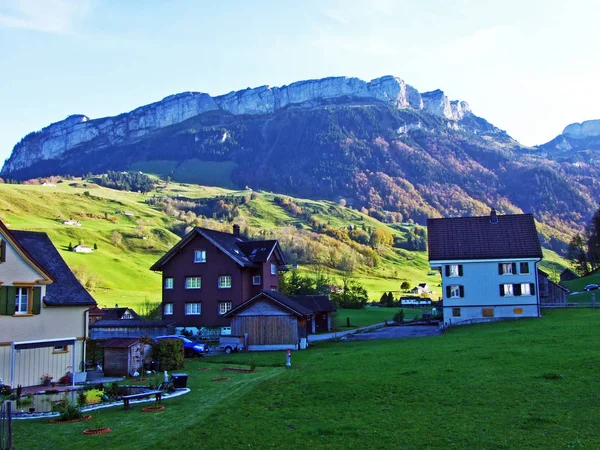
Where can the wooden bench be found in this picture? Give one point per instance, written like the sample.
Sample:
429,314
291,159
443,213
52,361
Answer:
127,398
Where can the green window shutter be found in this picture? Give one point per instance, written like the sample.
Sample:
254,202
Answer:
462,291
532,288
10,303
500,271
501,290
3,300
447,291
517,289
37,300
447,270
2,251
514,268
460,271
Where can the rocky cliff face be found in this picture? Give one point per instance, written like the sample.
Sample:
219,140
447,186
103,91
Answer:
576,139
78,131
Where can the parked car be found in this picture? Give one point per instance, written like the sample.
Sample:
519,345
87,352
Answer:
190,348
591,287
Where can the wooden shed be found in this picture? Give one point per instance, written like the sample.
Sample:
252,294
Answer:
122,356
272,321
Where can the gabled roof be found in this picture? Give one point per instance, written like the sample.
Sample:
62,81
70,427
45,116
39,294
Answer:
117,314
463,238
316,303
22,251
66,289
133,323
237,247
545,275
279,299
120,342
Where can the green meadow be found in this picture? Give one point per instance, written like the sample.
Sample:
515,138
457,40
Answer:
524,384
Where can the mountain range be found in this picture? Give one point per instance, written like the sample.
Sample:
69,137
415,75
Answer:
379,145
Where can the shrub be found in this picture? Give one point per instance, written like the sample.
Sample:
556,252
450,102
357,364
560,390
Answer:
70,410
399,316
81,398
169,352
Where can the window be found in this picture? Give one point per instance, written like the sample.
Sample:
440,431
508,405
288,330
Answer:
487,312
455,312
224,307
169,283
525,289
226,330
225,282
2,250
455,291
524,267
22,301
127,315
168,309
199,256
507,268
193,282
256,280
518,311
506,290
60,349
454,270
192,309
273,269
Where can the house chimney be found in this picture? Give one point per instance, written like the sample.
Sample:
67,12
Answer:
493,216
236,230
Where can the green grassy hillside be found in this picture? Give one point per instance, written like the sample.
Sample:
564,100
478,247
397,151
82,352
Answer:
118,270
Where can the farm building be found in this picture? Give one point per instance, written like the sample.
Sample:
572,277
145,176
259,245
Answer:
274,321
551,294
83,249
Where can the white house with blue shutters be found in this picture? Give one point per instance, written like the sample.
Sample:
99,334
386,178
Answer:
488,266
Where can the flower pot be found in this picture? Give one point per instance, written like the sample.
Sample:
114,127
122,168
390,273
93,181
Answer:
96,431
153,409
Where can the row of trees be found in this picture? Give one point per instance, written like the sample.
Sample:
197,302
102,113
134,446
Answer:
584,250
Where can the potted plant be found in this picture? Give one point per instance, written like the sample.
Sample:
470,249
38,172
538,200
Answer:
46,379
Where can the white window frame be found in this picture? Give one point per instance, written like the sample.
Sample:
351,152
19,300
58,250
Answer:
525,289
168,309
169,282
509,290
224,282
521,266
454,291
193,309
273,269
60,349
507,269
199,256
191,284
256,280
224,307
453,270
23,294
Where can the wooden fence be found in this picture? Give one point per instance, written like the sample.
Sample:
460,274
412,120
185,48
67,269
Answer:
6,426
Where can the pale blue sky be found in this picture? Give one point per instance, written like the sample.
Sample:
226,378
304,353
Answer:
529,67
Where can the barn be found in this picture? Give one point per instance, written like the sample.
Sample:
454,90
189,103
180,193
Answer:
273,321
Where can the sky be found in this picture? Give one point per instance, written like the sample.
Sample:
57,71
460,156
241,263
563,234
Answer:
529,67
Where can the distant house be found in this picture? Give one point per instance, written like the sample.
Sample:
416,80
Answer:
422,288
488,266
73,223
122,322
414,301
209,272
568,275
551,294
83,249
43,308
274,321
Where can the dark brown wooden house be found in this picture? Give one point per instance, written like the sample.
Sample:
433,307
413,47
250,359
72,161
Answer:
568,275
208,273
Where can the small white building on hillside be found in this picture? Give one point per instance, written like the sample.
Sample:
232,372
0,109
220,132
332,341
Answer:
488,266
83,249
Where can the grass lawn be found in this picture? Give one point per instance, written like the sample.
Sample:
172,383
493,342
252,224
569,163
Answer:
370,316
525,384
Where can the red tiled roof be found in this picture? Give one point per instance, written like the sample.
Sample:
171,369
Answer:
461,238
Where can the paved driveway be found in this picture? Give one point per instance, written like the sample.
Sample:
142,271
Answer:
395,333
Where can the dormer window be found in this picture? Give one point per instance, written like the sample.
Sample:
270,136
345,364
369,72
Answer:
127,315
199,256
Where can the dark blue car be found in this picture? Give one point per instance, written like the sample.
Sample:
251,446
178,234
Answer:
190,348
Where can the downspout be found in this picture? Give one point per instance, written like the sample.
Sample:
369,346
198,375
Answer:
537,289
86,321
12,365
